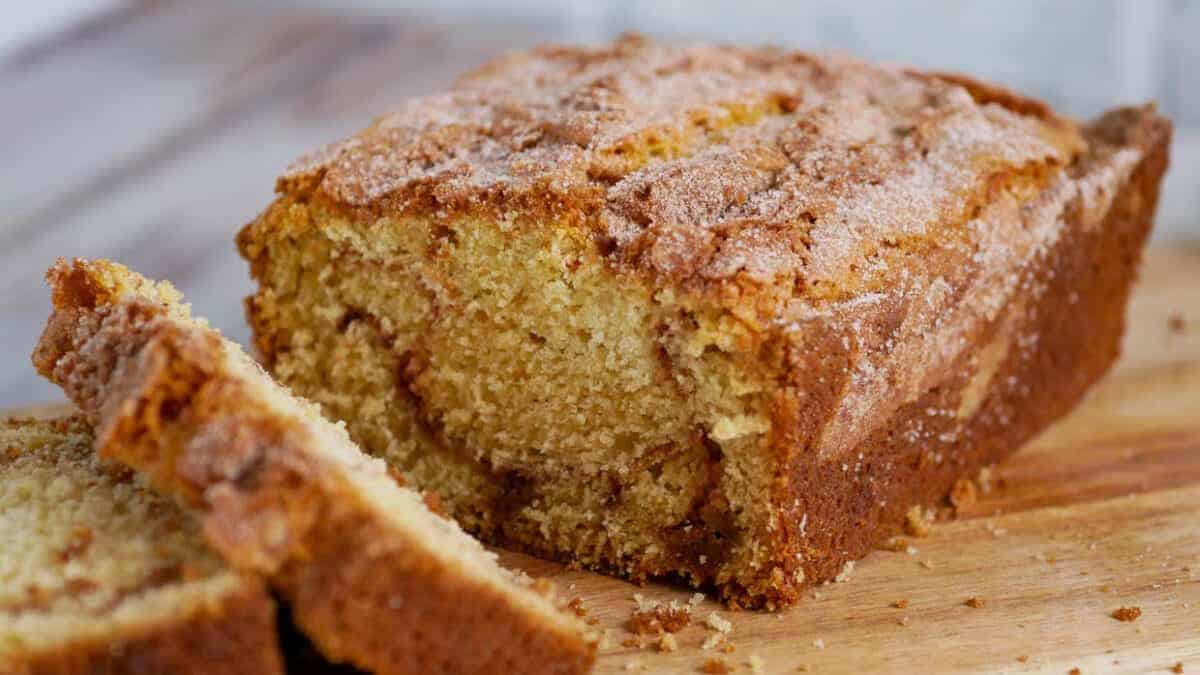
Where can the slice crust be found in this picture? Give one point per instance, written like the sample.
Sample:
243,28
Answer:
101,575
373,577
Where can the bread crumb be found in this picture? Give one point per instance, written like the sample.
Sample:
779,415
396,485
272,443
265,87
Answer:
1023,658
670,618
715,667
926,564
667,643
896,544
1074,671
963,494
802,668
1127,614
633,665
729,648
975,602
576,605
1176,324
1178,667
819,643
985,480
903,621
712,640
757,664
917,522
632,642
715,622
844,575
899,604
696,599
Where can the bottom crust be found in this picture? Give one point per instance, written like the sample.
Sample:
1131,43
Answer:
234,634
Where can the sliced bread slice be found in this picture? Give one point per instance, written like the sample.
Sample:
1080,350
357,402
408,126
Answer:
101,575
373,577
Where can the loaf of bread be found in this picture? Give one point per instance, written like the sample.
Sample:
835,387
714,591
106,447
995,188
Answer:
101,575
371,575
715,313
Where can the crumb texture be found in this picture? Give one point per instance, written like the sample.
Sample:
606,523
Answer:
100,572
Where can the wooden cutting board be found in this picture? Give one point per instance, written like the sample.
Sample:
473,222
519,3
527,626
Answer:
1101,512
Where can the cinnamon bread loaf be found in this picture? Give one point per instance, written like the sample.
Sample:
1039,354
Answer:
718,313
100,575
371,575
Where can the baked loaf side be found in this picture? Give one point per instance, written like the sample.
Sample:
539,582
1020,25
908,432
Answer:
100,575
666,310
372,576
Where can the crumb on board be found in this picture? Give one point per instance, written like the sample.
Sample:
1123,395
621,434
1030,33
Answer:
757,664
696,599
975,602
667,643
632,665
670,618
1023,658
712,640
819,643
1127,614
729,648
844,576
903,621
963,494
985,479
926,564
1178,667
576,605
918,522
715,667
899,604
715,622
1176,325
1074,671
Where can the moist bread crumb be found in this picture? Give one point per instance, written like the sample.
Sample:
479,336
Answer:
1127,614
371,575
712,313
101,575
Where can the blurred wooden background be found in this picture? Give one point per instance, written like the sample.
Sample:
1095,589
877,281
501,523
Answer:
150,132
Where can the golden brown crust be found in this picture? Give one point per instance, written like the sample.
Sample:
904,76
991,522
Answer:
172,406
235,635
757,172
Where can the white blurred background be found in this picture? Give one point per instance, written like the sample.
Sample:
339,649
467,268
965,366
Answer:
150,131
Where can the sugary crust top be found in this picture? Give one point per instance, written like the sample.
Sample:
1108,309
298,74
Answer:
703,164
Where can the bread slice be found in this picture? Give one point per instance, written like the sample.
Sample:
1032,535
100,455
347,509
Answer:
372,576
713,312
101,575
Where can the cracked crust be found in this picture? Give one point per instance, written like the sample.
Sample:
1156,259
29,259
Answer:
712,168
170,621
371,575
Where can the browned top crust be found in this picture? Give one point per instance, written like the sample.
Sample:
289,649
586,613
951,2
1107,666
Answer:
703,163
